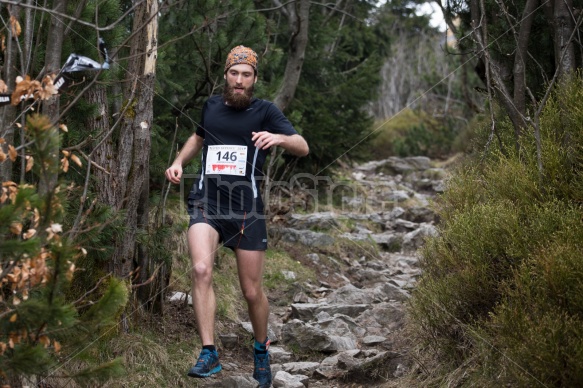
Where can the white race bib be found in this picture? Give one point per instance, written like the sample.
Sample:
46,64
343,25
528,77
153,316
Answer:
226,160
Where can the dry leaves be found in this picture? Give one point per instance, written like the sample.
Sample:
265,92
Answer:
29,163
12,153
15,27
27,88
65,160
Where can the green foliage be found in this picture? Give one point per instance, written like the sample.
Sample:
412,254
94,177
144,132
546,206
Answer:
412,133
339,75
501,291
39,326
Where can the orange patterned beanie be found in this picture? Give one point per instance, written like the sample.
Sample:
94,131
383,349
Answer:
239,55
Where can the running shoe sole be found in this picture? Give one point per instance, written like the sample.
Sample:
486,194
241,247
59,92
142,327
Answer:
216,369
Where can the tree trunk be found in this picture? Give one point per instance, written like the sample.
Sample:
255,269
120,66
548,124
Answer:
52,66
124,188
299,21
521,56
8,111
564,24
495,72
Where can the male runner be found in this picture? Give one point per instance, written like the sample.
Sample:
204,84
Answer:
225,206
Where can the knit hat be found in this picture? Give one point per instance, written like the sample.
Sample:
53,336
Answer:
239,55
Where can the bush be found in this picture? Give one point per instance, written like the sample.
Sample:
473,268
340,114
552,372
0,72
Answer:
41,331
413,133
501,295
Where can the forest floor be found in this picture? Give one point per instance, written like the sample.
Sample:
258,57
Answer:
178,326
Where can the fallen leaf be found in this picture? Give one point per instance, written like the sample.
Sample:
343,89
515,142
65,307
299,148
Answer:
64,128
13,318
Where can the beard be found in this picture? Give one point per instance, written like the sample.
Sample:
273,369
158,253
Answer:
237,100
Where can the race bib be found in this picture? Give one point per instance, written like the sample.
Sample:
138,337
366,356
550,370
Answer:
226,160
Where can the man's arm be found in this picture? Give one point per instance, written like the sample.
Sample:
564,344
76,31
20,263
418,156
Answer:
192,147
294,144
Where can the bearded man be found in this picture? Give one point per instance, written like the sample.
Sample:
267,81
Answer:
225,207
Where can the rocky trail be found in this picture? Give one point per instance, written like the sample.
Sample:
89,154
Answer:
350,324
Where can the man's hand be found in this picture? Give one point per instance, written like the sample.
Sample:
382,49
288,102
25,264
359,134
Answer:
263,140
174,173
294,144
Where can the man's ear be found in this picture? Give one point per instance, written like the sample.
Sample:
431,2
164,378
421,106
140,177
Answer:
255,80
225,75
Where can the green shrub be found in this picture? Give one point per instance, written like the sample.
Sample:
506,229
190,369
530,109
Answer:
501,295
413,133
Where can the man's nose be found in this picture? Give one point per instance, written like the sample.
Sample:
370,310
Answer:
239,79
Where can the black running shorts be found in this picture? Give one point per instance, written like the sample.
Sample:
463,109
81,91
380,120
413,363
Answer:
237,229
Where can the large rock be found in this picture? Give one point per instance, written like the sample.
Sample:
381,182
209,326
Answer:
415,239
321,221
304,237
307,337
283,379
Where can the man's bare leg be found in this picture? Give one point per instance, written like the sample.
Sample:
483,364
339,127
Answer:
250,269
203,241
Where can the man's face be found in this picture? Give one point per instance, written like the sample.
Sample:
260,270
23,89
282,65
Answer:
239,81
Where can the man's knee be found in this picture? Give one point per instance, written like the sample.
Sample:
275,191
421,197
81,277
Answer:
253,294
202,272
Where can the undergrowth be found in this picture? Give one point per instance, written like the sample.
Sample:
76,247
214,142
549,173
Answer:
500,301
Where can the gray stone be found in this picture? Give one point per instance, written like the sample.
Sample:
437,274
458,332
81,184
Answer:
349,294
229,341
352,310
397,196
283,379
306,237
372,340
389,241
273,337
415,239
322,221
301,368
180,297
236,382
307,337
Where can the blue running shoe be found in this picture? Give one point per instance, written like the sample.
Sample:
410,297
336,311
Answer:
262,372
207,364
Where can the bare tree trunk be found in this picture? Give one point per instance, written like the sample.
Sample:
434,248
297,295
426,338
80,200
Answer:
564,24
521,55
52,65
299,20
298,15
124,189
9,111
496,73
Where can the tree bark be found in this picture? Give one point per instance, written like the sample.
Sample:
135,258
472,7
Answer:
564,24
521,55
8,111
131,158
52,66
299,21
